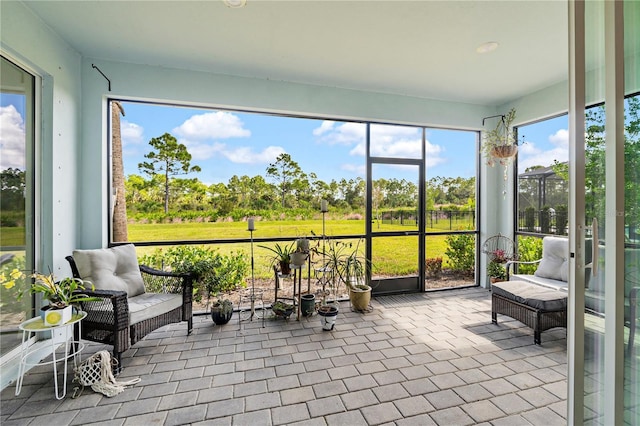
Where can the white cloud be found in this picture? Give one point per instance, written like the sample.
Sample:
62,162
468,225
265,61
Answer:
401,148
359,150
530,155
434,155
386,141
358,169
132,134
245,155
212,125
326,126
12,139
344,134
202,151
381,133
560,138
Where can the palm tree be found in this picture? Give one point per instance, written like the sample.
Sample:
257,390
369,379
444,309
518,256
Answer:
117,171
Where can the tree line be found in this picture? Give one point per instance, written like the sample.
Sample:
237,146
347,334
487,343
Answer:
284,185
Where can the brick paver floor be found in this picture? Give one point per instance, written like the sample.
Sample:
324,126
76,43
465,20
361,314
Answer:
417,359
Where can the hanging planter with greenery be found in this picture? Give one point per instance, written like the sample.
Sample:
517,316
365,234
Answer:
500,144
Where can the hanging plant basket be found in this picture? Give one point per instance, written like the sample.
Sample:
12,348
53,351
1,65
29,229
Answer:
504,151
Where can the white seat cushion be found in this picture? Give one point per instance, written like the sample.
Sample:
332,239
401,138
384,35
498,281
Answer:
544,282
113,268
150,305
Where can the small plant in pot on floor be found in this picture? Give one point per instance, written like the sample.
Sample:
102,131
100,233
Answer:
496,271
282,309
228,274
221,311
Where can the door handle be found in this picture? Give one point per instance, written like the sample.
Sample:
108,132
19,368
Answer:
594,247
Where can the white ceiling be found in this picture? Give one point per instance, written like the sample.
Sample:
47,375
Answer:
416,48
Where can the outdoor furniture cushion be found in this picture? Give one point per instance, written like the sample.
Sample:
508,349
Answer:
113,268
555,259
532,295
147,305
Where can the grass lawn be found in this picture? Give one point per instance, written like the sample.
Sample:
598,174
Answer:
392,256
12,236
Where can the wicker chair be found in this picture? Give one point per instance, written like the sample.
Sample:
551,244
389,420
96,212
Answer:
128,312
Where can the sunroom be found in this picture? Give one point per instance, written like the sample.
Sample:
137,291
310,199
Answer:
431,75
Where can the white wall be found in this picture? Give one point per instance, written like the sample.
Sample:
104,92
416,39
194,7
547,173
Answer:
25,40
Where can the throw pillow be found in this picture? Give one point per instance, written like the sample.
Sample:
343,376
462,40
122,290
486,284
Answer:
113,268
555,259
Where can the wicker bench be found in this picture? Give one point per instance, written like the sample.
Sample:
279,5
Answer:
533,305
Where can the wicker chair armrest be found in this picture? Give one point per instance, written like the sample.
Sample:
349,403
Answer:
105,294
157,281
152,271
112,308
510,264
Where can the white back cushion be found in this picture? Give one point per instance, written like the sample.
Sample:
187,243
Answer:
555,259
113,268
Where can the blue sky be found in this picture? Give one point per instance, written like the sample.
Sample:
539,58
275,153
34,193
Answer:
226,143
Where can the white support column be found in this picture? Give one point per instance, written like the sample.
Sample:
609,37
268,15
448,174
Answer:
614,223
575,309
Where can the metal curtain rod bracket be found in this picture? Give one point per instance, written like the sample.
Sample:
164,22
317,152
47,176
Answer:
502,117
106,78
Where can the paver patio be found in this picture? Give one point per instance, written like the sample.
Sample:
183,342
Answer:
417,359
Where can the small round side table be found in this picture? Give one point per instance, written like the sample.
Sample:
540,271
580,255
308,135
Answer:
60,335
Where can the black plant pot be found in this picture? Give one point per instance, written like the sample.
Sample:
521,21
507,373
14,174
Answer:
219,317
308,304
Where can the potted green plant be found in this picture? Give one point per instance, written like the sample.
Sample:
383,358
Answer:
61,295
349,268
282,256
496,271
500,142
222,311
282,309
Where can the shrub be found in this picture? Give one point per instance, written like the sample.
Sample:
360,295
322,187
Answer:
8,303
545,220
529,249
562,218
461,252
213,272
